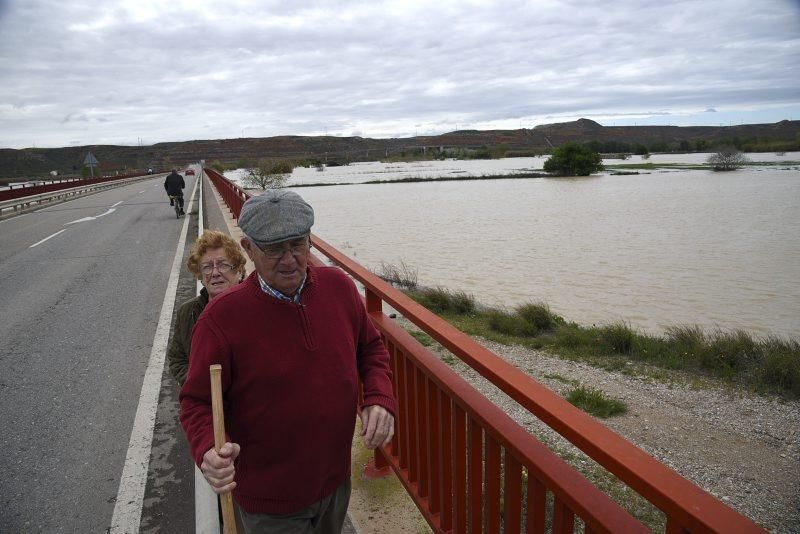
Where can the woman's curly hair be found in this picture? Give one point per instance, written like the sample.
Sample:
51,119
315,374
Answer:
212,239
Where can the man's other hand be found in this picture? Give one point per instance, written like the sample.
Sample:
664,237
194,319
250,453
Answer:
377,426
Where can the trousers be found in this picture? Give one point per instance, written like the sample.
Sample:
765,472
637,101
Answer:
325,516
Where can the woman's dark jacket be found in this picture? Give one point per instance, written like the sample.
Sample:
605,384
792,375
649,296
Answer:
178,352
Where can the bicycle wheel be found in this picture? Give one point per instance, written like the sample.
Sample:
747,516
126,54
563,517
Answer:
177,210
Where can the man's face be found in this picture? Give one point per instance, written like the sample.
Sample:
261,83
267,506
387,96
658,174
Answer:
281,265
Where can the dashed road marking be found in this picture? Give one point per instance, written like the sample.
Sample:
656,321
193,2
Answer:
48,237
84,219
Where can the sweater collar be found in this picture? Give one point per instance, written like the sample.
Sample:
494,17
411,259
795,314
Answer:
307,281
269,290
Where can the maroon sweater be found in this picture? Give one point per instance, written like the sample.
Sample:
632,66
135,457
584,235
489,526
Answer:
289,380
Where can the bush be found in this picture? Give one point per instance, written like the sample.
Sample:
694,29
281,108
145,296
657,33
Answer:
686,337
573,337
441,300
593,401
270,173
422,337
780,368
528,320
732,351
403,275
727,159
539,315
572,159
618,337
511,324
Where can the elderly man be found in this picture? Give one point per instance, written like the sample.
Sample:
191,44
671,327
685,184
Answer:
293,340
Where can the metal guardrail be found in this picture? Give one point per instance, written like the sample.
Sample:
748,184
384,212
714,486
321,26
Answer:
25,190
233,195
22,203
470,468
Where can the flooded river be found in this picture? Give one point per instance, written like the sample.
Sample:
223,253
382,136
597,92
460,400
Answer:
657,249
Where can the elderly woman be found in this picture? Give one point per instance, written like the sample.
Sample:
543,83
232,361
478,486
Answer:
217,261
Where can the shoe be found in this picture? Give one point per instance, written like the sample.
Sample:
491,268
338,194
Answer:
183,212
171,202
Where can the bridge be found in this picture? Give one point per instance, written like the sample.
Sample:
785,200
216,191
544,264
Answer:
90,284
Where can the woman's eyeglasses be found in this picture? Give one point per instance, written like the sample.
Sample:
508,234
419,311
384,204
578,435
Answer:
222,267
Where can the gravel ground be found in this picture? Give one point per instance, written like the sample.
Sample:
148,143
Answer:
744,449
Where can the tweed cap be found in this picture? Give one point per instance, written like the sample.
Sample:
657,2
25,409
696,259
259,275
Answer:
275,216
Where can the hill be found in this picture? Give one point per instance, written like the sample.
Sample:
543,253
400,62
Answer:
38,162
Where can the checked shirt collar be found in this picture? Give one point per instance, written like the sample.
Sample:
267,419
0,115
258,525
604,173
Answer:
266,288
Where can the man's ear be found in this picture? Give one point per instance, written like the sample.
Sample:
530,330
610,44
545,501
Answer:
246,245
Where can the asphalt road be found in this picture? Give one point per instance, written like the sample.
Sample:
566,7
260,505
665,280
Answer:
81,286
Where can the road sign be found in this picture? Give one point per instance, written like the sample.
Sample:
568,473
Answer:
91,161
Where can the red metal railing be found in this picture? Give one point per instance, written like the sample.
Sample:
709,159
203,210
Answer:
470,468
233,195
26,191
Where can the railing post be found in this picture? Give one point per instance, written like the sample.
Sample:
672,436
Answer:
374,302
378,466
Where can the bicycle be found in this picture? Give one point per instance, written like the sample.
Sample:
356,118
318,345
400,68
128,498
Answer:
178,211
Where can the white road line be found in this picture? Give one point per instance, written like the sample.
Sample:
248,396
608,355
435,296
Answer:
143,190
117,204
46,238
79,221
130,495
108,212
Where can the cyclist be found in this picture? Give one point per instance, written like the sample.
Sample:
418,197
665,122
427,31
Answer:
174,185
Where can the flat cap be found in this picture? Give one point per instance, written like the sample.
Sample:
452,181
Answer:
275,216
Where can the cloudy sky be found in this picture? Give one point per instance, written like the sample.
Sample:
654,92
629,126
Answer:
148,71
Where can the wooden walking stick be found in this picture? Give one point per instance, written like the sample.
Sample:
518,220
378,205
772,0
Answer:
228,519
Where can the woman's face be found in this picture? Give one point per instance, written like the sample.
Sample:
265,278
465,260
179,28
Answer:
217,272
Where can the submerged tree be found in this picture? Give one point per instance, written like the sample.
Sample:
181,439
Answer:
269,173
727,159
572,159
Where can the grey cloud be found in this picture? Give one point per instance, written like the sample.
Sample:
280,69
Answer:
349,65
74,117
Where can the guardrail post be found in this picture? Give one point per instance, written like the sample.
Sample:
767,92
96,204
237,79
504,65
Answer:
378,466
374,302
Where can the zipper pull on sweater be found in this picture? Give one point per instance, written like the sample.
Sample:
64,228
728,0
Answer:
305,324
